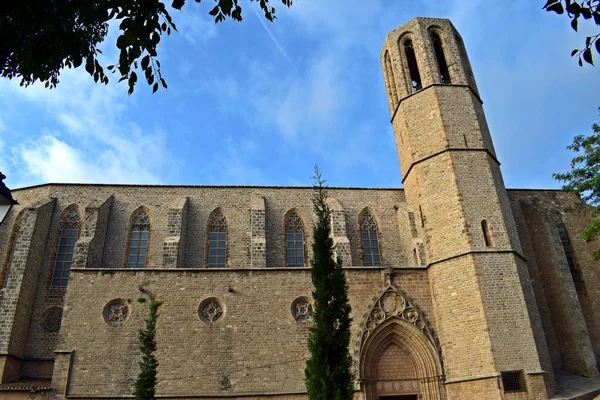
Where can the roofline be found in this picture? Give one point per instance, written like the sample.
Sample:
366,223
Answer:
237,187
198,186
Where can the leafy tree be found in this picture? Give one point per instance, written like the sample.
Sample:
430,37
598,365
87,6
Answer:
584,179
145,385
41,37
328,374
588,10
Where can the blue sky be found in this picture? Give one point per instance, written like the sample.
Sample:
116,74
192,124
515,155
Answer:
259,103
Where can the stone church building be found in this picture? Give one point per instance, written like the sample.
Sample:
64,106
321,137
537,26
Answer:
460,288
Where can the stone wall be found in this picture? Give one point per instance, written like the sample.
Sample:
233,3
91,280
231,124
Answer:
258,346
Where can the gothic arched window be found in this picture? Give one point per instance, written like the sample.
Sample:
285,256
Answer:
438,49
294,229
390,80
138,239
370,240
413,68
69,232
12,241
217,240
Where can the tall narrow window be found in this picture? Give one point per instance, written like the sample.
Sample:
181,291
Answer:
487,234
294,240
566,243
390,80
413,68
217,243
12,242
69,232
138,241
440,57
370,240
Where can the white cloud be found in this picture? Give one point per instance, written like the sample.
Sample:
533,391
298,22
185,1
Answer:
87,138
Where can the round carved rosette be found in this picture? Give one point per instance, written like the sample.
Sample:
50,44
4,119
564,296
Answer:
52,319
211,310
116,312
302,309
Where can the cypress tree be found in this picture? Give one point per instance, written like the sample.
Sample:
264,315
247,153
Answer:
328,371
145,385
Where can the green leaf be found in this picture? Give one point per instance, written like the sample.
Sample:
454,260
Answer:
556,7
155,88
89,66
574,52
597,43
587,13
597,17
121,44
214,11
162,81
145,62
587,56
574,24
177,4
573,8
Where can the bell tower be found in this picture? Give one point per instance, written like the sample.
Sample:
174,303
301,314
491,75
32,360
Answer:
485,314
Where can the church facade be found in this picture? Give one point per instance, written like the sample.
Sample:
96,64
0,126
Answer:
459,288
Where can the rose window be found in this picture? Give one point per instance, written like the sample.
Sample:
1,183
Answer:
53,319
116,312
211,310
302,309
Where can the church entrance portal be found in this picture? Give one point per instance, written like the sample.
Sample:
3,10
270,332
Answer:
397,359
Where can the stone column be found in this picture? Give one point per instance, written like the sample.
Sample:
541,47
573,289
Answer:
17,297
90,245
258,242
174,243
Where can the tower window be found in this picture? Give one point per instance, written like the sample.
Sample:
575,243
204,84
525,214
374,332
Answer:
413,68
217,241
69,232
370,240
487,234
138,240
440,57
294,240
390,80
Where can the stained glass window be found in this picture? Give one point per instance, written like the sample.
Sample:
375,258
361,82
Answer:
302,309
116,312
217,242
138,243
370,240
53,319
211,310
69,232
295,240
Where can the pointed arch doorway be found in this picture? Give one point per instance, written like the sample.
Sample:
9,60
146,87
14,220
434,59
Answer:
397,357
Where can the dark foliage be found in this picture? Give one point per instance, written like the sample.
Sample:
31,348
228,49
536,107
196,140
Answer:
328,371
576,11
145,385
584,179
42,37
